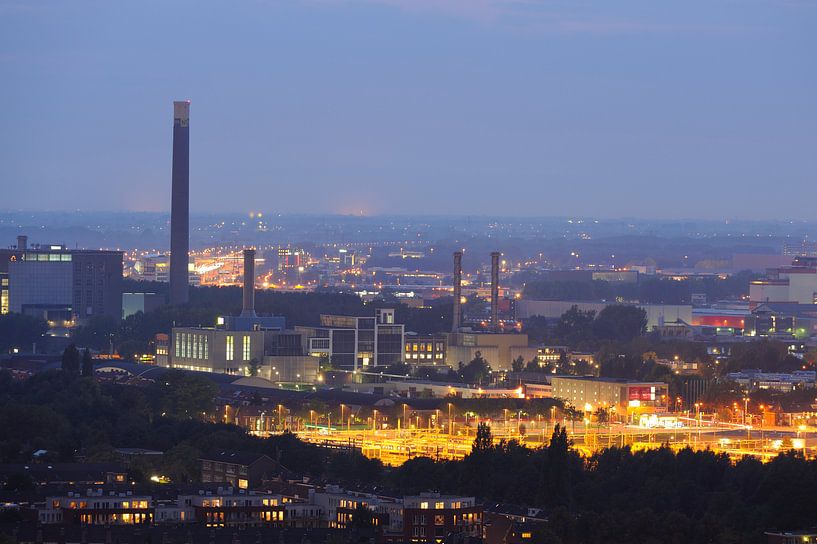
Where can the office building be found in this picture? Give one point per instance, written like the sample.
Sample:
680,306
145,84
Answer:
352,343
180,204
426,349
61,285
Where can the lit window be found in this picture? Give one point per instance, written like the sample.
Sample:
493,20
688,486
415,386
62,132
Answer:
424,505
230,347
245,348
439,505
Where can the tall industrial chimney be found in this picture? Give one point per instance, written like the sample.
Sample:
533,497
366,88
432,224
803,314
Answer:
495,290
455,325
22,242
180,204
248,309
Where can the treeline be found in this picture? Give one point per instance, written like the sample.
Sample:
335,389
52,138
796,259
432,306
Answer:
616,496
620,496
75,418
647,290
580,329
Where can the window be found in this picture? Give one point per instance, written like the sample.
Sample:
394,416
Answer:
230,347
242,483
439,505
424,505
245,348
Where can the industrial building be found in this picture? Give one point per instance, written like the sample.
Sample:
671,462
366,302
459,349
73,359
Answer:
60,285
498,348
796,283
246,344
657,314
590,393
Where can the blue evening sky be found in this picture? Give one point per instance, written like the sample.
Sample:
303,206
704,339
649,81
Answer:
610,108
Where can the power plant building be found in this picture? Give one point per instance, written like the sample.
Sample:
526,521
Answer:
246,344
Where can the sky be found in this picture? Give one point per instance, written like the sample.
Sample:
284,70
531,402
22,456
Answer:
626,108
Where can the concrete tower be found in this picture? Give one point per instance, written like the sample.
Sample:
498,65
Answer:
248,308
456,322
495,290
180,204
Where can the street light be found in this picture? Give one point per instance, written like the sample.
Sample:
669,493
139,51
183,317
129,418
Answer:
450,423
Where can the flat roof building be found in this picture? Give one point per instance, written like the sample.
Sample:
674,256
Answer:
60,285
590,393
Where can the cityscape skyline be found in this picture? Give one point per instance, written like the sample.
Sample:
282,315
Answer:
371,119
423,271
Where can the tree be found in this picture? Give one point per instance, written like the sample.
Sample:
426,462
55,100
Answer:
557,475
477,371
575,326
620,323
87,364
484,440
70,359
182,395
254,366
518,364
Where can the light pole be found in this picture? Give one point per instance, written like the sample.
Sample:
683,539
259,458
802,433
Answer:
450,422
374,420
341,416
745,408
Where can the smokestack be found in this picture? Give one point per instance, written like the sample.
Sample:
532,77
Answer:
455,326
180,204
495,290
22,242
248,309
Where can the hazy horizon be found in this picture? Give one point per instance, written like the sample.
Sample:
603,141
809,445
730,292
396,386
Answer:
472,108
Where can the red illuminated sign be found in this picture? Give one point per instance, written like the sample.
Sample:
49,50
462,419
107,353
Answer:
641,393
